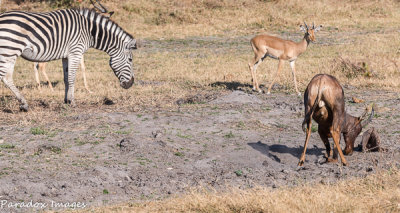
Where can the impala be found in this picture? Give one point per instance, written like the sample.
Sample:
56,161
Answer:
282,50
42,67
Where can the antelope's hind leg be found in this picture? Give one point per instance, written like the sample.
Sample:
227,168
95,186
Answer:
83,68
303,154
253,69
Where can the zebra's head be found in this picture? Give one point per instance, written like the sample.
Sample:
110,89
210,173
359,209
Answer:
121,64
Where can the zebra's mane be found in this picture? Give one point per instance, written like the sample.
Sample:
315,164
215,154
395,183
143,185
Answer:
92,14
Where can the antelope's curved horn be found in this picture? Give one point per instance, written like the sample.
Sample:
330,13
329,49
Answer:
369,118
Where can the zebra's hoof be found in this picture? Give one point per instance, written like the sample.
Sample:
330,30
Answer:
70,102
24,108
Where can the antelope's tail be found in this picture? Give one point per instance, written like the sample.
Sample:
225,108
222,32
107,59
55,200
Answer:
310,113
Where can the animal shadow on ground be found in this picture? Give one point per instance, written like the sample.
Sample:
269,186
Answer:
283,149
232,85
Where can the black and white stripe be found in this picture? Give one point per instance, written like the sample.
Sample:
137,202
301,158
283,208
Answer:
63,34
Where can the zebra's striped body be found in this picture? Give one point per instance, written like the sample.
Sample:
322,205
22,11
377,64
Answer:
63,34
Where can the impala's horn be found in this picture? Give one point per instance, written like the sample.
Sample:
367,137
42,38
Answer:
101,8
305,25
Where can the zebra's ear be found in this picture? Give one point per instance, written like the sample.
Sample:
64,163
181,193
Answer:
132,44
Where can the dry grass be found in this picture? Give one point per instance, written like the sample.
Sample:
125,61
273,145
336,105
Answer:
191,44
376,193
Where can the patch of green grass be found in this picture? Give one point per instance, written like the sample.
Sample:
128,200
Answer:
143,161
105,191
38,131
266,109
179,154
229,135
239,172
122,132
241,124
7,146
184,136
314,128
80,142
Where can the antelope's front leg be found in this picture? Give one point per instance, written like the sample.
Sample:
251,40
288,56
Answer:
70,66
292,65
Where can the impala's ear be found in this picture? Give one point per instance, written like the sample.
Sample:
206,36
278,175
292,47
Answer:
302,28
317,28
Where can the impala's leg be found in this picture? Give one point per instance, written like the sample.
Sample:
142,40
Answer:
6,73
35,69
252,75
303,155
292,65
83,68
276,75
70,66
42,67
258,58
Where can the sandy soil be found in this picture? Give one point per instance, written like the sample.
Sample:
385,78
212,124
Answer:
226,138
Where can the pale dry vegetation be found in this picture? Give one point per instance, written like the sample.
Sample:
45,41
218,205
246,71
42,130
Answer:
376,193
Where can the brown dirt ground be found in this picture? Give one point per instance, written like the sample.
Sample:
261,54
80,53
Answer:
214,140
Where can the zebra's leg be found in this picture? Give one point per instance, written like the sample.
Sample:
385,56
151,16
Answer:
65,71
6,73
70,66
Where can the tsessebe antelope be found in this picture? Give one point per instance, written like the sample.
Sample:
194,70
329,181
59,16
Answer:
283,50
324,102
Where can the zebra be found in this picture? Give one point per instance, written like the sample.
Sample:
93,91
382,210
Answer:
42,66
63,34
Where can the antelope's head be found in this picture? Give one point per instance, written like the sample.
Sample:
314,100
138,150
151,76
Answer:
358,123
309,34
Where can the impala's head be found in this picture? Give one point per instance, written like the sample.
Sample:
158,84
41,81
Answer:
121,63
310,33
